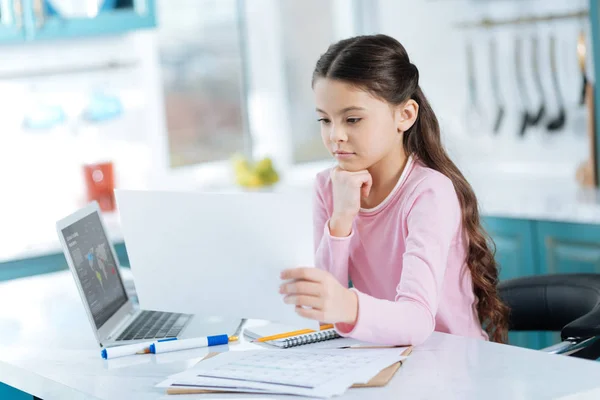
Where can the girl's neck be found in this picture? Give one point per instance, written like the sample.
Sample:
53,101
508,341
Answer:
385,175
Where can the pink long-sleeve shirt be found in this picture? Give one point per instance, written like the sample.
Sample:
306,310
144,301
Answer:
406,260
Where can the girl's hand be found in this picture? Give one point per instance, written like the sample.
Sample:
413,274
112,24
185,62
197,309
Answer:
348,187
328,300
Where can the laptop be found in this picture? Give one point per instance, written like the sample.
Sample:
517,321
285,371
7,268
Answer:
114,317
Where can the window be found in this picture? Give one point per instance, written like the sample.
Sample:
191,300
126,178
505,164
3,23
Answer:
237,77
202,71
308,28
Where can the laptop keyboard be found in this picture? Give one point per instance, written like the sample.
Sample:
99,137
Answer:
154,325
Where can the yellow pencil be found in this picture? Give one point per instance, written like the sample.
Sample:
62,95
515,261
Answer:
289,334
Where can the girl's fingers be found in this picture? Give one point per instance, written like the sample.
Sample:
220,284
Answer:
310,313
305,274
367,182
301,287
307,301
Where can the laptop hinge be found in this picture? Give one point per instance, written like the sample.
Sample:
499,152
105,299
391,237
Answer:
122,325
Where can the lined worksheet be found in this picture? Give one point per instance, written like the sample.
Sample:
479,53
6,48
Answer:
321,373
302,369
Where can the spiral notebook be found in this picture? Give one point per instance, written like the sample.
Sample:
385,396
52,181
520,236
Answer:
307,338
293,341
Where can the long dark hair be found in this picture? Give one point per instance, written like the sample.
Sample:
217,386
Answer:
380,65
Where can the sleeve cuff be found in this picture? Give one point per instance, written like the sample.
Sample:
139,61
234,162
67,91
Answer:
337,238
360,329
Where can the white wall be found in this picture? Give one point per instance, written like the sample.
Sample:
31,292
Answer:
41,176
40,172
428,31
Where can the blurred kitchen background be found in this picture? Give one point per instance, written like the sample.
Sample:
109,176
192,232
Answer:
189,94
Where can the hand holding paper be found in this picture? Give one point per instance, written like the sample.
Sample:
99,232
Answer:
318,295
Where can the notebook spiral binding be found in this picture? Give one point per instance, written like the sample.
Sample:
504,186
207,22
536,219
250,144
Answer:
310,338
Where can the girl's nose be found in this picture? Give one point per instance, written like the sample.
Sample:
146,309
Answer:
337,135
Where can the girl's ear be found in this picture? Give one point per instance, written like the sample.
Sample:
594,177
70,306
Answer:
406,115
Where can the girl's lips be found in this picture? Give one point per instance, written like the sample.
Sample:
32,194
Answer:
342,152
343,155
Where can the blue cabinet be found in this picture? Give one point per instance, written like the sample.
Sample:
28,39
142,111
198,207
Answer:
11,21
566,248
32,20
122,16
10,393
514,241
517,256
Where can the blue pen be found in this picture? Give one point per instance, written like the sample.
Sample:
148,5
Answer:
184,344
129,349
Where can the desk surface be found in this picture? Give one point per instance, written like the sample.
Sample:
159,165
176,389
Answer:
47,349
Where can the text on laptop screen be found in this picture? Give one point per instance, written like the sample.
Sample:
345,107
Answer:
96,267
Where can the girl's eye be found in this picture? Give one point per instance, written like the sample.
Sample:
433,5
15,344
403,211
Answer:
323,120
353,120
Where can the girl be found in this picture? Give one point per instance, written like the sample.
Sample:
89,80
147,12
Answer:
395,215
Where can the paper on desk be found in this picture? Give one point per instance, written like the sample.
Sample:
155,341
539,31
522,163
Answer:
322,373
592,394
233,386
240,386
217,254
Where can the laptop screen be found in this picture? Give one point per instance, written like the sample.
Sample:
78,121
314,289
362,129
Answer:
96,267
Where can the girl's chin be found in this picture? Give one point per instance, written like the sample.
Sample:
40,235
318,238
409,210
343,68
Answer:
351,166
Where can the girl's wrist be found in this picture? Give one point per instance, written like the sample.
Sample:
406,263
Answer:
340,226
352,304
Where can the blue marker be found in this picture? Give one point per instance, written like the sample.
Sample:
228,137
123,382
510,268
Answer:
129,349
184,344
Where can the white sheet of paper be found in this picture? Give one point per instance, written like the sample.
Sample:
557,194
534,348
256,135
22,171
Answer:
322,373
592,394
217,254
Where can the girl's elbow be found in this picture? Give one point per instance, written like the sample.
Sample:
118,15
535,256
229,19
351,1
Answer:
422,324
415,335
420,334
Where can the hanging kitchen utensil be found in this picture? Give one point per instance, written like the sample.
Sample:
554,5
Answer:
586,172
581,54
474,116
493,46
558,122
536,118
525,116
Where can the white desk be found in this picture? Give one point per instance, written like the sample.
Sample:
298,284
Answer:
47,349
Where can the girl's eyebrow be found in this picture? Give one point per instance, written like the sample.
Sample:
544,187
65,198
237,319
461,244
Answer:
345,110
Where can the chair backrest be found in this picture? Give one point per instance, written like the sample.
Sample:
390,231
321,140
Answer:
569,303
